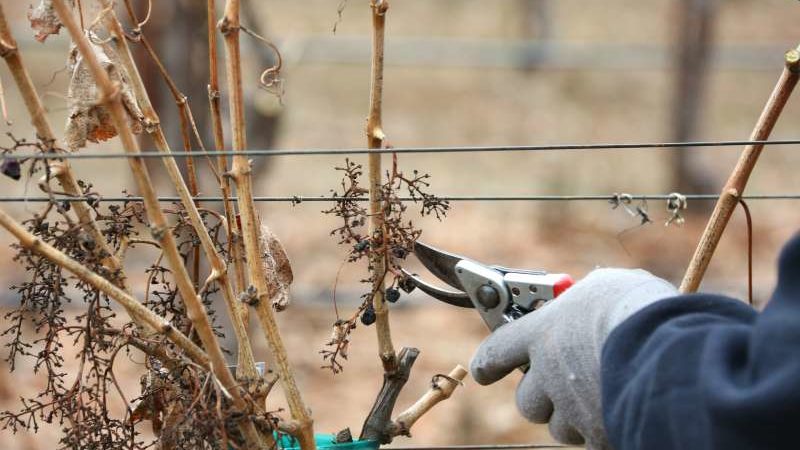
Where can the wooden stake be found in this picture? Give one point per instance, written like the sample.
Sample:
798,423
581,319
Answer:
734,188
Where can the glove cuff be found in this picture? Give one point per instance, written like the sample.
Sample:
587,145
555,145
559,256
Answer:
635,290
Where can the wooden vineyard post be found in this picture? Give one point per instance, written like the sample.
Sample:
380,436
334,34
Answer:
734,188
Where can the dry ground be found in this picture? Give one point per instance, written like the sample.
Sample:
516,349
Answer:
325,107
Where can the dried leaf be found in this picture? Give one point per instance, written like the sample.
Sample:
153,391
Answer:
338,334
44,20
88,119
151,404
277,268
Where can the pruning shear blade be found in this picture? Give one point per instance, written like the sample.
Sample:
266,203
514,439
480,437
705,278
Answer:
440,263
455,298
499,294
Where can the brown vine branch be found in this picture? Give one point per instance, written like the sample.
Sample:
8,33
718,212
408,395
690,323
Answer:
250,225
375,139
219,270
60,168
187,122
195,310
441,389
235,249
735,186
218,266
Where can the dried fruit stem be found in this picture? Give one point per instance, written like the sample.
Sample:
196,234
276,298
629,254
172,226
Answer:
61,169
737,182
375,138
194,307
135,309
229,26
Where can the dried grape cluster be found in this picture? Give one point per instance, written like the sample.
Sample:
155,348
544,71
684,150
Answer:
56,312
11,164
388,245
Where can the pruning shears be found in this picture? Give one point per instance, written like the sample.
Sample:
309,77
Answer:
499,294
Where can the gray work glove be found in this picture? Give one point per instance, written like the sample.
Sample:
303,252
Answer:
562,342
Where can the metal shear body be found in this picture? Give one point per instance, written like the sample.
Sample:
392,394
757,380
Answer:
499,294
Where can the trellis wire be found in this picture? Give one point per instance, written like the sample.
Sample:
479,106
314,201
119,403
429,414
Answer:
450,198
401,150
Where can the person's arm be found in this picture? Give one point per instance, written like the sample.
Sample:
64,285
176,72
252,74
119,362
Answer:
678,372
705,372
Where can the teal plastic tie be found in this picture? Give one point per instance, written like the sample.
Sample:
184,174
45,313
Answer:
326,442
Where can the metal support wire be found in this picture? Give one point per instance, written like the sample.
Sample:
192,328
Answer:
449,198
401,150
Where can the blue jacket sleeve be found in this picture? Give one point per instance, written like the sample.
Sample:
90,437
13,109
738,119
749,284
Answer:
707,372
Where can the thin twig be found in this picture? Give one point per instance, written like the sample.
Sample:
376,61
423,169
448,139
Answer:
79,3
734,188
749,219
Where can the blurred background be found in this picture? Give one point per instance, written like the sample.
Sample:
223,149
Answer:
468,73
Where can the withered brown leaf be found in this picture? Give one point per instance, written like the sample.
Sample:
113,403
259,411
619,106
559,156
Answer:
44,20
277,268
88,119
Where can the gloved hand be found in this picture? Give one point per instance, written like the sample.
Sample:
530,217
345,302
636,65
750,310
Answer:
563,341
